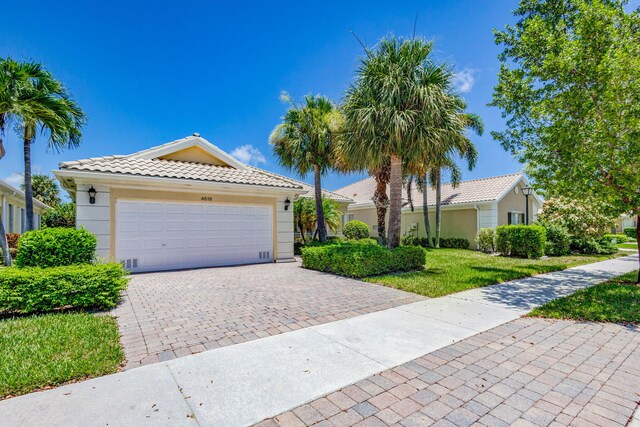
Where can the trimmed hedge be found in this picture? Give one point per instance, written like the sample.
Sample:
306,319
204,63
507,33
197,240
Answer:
619,238
355,230
630,232
521,240
361,260
558,240
55,247
35,289
486,239
590,246
445,242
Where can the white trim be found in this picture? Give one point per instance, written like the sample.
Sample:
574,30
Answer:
190,141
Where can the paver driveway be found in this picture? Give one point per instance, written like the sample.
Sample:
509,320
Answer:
173,314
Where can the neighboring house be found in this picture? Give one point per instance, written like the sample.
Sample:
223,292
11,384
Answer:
472,205
625,221
183,204
12,205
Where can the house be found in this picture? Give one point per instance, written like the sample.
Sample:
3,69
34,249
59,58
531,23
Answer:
183,204
472,205
12,206
625,221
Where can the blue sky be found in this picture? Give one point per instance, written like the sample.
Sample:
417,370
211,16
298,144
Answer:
149,74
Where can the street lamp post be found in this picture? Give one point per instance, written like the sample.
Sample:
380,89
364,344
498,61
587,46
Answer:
527,192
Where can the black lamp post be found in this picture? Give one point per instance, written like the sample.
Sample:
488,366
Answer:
527,192
92,195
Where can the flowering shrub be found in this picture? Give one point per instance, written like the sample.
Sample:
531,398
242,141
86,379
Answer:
582,219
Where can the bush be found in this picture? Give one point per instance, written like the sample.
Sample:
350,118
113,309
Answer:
35,289
582,218
414,241
558,240
521,240
618,238
54,247
361,260
63,215
355,230
630,232
454,242
486,240
591,246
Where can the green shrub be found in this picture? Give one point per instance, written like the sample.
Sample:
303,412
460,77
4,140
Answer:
558,239
355,230
361,260
486,240
54,247
454,242
619,238
630,232
414,241
63,215
521,240
35,289
591,246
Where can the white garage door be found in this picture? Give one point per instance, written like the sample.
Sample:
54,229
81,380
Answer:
153,236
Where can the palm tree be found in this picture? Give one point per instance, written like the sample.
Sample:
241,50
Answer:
332,214
395,112
35,100
380,199
45,189
304,216
304,142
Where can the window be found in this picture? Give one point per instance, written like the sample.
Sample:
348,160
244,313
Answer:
10,216
351,217
516,218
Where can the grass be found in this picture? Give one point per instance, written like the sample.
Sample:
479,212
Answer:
41,351
617,300
455,270
628,245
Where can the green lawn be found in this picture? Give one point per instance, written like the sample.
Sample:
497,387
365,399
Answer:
48,350
617,300
454,270
628,245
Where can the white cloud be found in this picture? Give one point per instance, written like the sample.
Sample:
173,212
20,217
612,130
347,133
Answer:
464,80
248,154
16,179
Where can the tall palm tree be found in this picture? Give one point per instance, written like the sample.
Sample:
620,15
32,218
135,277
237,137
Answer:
45,189
36,101
304,216
304,142
394,113
380,199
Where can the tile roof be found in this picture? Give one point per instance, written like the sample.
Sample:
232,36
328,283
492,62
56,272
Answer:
472,191
128,165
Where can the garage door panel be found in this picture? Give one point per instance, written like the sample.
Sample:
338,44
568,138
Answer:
181,235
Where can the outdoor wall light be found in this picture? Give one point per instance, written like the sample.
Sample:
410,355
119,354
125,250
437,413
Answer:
287,203
92,195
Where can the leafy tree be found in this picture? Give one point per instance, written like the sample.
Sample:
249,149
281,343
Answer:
396,112
305,218
45,189
34,100
583,220
304,142
569,89
62,215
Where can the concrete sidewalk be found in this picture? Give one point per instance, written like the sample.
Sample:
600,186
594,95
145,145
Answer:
245,383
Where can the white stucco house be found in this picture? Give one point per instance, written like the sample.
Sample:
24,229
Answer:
13,209
183,204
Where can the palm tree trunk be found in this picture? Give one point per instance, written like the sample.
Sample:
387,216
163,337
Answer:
438,205
3,241
301,228
28,190
322,229
381,200
638,242
425,209
395,207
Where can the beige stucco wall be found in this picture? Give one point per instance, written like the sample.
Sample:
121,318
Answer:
18,203
624,222
515,202
194,154
100,218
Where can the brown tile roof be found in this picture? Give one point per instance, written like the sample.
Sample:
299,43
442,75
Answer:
472,191
127,165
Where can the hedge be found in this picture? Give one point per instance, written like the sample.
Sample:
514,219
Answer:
630,232
558,239
361,260
590,246
35,289
521,240
55,247
619,238
445,242
355,230
486,239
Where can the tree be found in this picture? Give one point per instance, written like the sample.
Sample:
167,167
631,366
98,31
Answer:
394,112
304,142
380,199
45,189
32,98
569,89
62,215
305,218
582,219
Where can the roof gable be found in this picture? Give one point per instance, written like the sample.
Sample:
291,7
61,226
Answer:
193,149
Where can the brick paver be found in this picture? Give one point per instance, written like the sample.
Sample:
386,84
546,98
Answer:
172,314
529,372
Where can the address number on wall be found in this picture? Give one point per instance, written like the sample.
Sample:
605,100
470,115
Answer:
206,198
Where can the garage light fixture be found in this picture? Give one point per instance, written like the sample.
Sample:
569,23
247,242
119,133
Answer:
287,203
92,195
